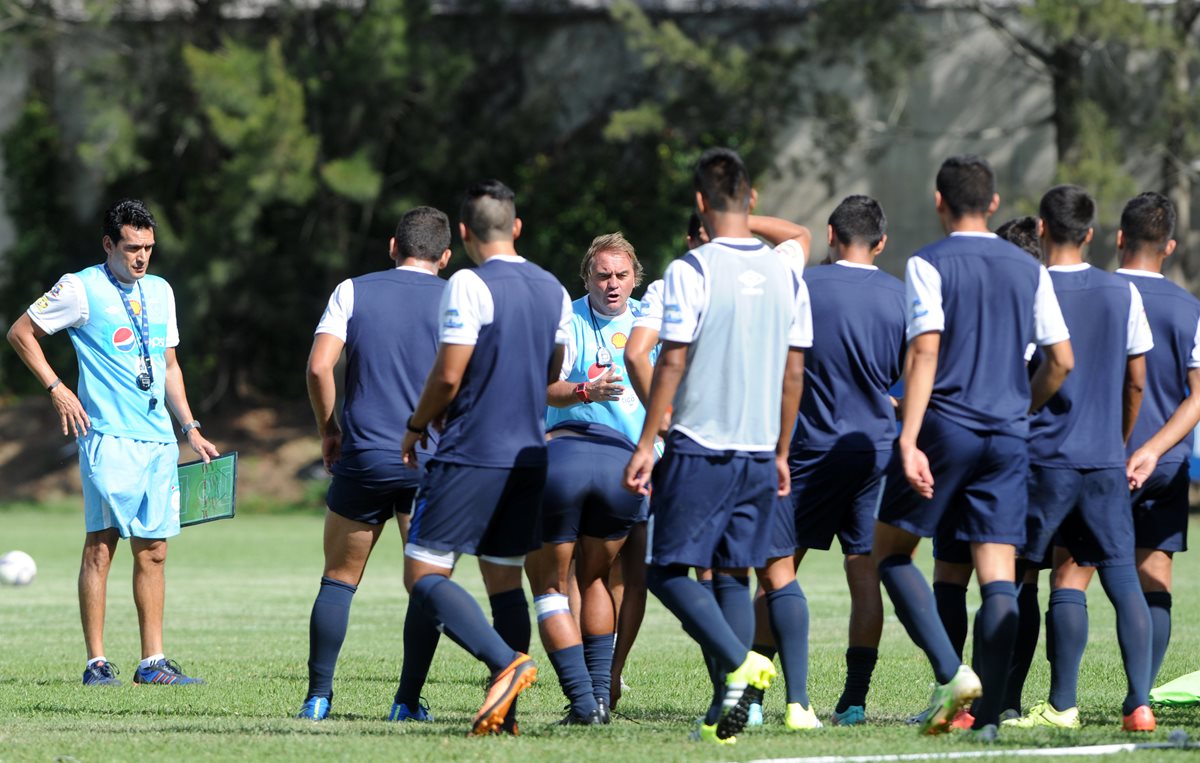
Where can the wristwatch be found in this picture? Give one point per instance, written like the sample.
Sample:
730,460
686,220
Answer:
193,424
409,426
581,392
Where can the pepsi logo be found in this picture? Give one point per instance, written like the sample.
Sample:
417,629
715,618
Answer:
123,339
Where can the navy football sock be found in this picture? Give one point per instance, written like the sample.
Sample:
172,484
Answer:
461,618
699,615
915,609
1029,626
326,632
1133,631
733,596
860,663
710,663
421,638
996,632
788,609
573,676
1160,632
598,655
766,650
952,609
1066,637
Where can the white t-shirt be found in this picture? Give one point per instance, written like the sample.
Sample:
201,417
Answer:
65,306
467,307
335,321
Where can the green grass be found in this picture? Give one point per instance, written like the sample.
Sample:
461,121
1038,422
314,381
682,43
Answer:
238,599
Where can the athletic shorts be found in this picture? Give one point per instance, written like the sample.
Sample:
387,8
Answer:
712,508
130,485
585,494
1085,511
835,493
948,548
979,485
371,486
479,510
1160,509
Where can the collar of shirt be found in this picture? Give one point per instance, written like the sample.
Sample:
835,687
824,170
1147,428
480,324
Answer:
1068,268
858,265
1143,273
414,269
506,258
974,233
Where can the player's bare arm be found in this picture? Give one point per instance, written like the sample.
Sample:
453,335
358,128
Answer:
793,388
1059,360
441,387
920,368
1132,393
322,394
177,402
776,230
637,361
25,336
1185,418
668,373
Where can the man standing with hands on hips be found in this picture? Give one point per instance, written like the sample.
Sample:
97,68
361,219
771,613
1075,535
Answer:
122,323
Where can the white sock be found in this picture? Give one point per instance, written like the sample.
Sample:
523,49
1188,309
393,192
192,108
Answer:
93,661
150,661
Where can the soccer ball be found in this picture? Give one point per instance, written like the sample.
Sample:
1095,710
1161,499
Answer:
17,568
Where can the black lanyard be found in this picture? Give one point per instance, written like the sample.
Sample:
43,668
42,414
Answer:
141,324
603,356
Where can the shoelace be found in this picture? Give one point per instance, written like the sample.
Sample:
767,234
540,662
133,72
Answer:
106,669
167,666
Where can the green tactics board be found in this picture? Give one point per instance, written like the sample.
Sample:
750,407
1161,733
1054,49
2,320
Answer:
208,492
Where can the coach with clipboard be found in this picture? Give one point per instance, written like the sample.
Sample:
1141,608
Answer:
122,323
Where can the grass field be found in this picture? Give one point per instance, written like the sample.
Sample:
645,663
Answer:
238,600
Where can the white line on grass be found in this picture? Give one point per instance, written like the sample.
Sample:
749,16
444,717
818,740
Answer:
1179,741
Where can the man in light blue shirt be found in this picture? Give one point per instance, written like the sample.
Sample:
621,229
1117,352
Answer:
122,323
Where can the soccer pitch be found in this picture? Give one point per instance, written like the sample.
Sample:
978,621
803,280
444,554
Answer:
238,599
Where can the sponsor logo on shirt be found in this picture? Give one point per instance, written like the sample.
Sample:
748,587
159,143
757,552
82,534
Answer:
42,305
619,340
123,339
55,290
135,306
918,310
752,281
671,314
451,320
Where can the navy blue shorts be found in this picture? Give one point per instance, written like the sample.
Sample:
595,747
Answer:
713,510
835,493
1085,511
979,485
948,548
1160,509
371,486
479,510
584,493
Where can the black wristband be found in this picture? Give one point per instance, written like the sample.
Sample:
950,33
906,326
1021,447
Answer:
409,426
53,384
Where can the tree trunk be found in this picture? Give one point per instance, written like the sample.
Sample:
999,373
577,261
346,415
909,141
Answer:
1176,170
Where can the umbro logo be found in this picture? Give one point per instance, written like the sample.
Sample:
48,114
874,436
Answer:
752,281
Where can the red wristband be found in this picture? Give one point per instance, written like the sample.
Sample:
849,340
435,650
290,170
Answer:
581,392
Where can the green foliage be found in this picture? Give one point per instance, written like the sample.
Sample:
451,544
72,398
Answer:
1095,21
355,178
1098,166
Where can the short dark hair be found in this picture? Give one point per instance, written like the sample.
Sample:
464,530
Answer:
694,224
860,220
423,233
1022,232
131,212
967,185
1067,213
722,179
1148,218
489,209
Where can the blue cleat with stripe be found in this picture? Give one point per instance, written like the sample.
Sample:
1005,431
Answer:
163,672
101,674
400,712
315,709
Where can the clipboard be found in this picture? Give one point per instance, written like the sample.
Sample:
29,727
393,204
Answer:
208,492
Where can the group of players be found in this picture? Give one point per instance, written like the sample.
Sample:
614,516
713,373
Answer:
756,396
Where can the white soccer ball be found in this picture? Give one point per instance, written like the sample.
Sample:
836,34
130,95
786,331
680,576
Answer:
17,568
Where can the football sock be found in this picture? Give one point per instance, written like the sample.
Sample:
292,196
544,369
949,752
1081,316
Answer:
995,634
952,609
1066,637
598,654
714,673
699,615
915,609
94,660
460,618
326,632
573,676
860,663
1160,632
156,657
788,610
766,650
1133,631
733,596
510,618
1029,626
420,642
